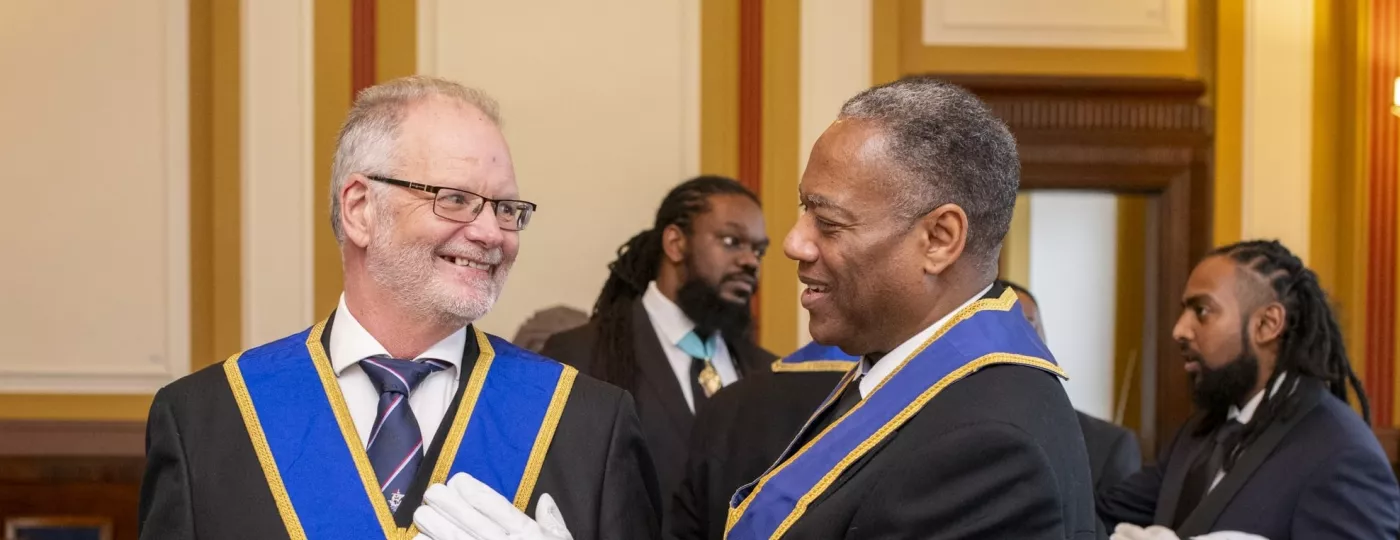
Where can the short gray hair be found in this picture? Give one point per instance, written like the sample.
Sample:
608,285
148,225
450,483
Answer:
951,149
368,139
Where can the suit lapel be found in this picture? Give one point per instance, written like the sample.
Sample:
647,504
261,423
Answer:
656,370
1204,516
1176,472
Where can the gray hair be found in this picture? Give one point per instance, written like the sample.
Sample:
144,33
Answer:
368,139
951,149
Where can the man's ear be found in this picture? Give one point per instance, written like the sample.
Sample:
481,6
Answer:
356,212
1268,323
943,232
674,244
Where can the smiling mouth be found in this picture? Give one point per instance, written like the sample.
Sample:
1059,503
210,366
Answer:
468,263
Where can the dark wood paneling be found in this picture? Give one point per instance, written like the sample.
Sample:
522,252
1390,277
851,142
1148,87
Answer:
51,438
1126,135
72,469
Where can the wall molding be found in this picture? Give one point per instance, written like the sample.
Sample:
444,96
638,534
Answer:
1110,24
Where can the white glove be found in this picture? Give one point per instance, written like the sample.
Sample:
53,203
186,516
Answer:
466,509
1126,531
1229,535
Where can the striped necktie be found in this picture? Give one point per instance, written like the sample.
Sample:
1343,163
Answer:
395,445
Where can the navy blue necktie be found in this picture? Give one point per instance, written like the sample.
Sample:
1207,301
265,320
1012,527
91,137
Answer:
395,445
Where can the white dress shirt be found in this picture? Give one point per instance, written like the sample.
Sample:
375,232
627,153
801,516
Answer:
1243,416
350,343
671,326
872,376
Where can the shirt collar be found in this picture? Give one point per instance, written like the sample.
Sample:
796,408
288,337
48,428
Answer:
665,315
350,343
881,370
1246,414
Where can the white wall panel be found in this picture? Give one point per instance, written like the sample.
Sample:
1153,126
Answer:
94,285
600,102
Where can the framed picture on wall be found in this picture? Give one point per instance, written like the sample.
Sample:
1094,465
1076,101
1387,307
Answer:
58,528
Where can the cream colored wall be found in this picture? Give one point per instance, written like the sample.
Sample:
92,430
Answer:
1276,184
278,274
600,105
94,292
835,66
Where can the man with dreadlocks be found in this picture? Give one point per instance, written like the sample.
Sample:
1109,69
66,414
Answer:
672,324
1274,449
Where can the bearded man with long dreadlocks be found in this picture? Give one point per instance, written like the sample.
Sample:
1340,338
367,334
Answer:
672,324
1274,449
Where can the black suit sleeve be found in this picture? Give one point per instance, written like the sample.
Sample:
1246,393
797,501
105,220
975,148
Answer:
1124,458
630,506
1133,500
1351,495
1006,488
165,507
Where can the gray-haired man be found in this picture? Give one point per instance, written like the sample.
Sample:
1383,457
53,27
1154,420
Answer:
339,430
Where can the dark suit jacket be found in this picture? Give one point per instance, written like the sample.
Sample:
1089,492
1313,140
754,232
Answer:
749,424
1318,475
203,479
739,434
665,417
1114,453
997,454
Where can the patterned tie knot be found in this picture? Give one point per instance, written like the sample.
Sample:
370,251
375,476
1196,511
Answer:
397,375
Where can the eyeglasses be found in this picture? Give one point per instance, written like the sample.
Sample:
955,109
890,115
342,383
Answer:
465,206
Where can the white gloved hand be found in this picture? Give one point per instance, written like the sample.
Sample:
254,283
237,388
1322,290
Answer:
1229,535
1126,531
466,509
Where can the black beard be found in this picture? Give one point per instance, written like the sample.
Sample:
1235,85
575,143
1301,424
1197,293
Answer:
701,302
1216,390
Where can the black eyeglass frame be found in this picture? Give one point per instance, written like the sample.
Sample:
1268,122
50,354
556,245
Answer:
435,190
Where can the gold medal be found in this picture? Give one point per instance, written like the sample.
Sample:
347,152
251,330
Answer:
709,379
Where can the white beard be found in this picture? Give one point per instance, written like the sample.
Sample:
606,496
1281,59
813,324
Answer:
407,272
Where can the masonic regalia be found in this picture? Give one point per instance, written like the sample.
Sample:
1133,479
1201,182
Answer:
317,469
988,332
815,357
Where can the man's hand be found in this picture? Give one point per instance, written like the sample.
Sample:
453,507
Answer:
1126,531
466,509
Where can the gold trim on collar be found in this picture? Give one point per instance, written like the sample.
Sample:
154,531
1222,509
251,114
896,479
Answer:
839,366
546,435
261,448
331,385
459,423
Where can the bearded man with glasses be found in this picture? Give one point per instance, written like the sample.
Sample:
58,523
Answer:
395,417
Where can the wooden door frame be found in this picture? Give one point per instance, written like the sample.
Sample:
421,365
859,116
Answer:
1126,135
